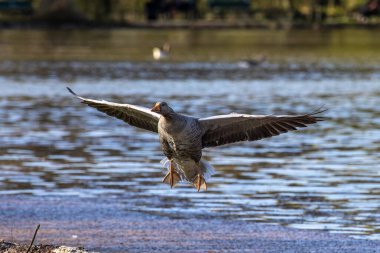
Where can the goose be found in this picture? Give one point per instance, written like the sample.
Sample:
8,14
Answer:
182,137
161,52
252,62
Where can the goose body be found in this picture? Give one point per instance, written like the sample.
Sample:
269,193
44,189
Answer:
182,137
181,142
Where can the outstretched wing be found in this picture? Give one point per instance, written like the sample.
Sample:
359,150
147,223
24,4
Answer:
134,115
225,129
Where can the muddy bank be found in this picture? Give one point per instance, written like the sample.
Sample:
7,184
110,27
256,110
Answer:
105,225
9,247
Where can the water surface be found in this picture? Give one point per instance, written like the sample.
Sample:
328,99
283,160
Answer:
324,177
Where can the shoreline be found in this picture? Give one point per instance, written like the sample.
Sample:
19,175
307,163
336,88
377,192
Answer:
105,225
188,25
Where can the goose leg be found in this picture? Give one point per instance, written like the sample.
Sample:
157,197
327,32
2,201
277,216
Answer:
199,182
172,178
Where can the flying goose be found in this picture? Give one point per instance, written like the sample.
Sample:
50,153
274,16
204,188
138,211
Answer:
182,138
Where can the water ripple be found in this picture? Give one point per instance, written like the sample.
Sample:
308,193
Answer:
324,177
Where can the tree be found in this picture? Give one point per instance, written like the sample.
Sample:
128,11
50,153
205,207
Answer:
59,11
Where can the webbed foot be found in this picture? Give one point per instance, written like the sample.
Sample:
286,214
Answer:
199,182
172,178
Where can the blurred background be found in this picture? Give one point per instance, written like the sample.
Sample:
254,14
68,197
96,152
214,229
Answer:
278,13
256,57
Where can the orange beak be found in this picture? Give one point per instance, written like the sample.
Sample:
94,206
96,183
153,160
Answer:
156,108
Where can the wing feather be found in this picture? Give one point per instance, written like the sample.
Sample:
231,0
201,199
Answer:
225,129
134,115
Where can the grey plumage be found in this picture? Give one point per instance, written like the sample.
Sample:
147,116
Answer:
182,138
225,129
134,115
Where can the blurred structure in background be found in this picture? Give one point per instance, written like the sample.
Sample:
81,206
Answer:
23,6
59,11
174,12
156,8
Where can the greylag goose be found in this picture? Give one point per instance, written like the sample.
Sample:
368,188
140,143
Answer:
252,62
161,52
182,138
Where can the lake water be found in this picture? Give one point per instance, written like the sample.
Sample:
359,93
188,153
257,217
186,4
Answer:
324,177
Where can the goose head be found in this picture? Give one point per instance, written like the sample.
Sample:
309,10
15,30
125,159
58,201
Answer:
162,108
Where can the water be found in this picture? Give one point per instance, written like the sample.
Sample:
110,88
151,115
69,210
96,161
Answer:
324,177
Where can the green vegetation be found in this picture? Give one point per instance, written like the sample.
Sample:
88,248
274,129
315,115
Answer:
254,12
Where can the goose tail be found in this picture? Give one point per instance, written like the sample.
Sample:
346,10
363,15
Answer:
207,169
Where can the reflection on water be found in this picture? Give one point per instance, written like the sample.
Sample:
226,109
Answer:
348,45
324,177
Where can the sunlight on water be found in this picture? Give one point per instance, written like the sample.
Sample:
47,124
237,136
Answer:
324,177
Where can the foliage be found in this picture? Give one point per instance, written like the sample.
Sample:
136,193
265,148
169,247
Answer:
121,11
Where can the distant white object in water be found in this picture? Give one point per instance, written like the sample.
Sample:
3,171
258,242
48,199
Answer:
161,52
252,62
